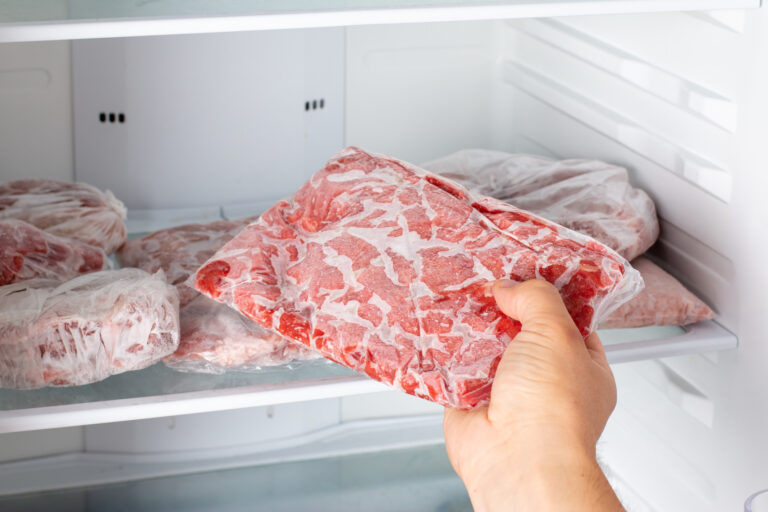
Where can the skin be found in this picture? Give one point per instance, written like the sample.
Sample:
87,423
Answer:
533,447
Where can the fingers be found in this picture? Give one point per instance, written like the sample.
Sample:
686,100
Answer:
596,349
537,305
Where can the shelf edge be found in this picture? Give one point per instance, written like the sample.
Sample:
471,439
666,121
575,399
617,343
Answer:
136,27
707,336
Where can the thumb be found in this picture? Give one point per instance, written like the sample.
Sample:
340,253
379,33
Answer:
537,305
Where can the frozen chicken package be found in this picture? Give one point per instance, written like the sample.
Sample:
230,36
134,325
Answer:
663,301
86,329
383,267
588,196
179,251
216,339
27,252
69,210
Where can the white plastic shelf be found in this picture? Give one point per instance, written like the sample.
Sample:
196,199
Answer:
159,392
94,468
24,20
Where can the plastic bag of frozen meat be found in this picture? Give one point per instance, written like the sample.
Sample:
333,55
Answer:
215,339
383,267
588,196
27,252
663,301
86,329
70,210
179,251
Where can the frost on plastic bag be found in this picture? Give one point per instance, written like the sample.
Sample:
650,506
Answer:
84,330
589,196
179,251
383,268
70,210
216,338
27,252
663,301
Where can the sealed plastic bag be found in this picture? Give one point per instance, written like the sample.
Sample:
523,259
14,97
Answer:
216,339
27,252
84,330
663,301
588,196
70,210
383,267
179,251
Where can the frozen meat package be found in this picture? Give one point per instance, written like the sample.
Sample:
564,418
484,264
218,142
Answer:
179,251
86,329
216,339
663,301
588,196
70,210
383,267
27,252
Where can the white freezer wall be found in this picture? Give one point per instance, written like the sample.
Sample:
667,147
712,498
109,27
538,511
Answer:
36,111
680,99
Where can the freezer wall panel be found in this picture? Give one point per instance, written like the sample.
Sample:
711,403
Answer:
208,119
35,111
420,91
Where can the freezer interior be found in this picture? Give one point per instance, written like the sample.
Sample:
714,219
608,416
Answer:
191,127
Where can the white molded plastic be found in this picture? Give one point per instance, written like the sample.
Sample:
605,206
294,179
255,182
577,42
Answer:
23,21
98,468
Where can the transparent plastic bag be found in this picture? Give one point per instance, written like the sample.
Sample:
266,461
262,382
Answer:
215,339
84,330
70,210
383,267
663,301
179,251
27,252
589,196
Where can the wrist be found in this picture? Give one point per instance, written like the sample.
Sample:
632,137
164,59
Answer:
557,476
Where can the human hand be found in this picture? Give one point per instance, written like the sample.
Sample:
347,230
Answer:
533,446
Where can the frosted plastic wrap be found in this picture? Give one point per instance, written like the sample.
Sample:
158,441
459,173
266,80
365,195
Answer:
70,210
216,339
588,196
84,330
384,267
179,251
27,252
663,301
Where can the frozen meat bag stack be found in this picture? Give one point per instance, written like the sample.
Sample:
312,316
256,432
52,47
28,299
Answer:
214,338
64,318
382,267
595,198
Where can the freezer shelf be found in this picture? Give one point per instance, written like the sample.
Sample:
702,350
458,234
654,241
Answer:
415,479
22,20
159,392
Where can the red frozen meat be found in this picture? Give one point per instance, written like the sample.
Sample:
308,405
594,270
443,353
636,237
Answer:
70,210
27,252
382,267
663,301
86,329
179,251
216,338
589,196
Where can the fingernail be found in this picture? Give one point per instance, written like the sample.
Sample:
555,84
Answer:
506,283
